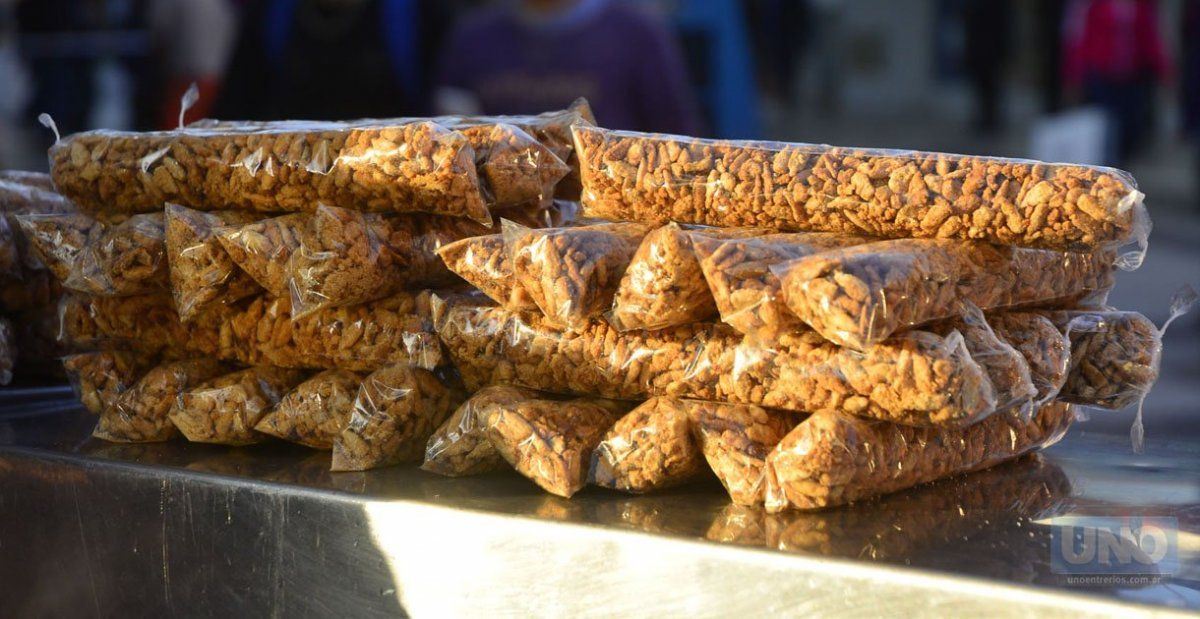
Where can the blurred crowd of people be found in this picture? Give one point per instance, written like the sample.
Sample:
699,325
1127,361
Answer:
681,66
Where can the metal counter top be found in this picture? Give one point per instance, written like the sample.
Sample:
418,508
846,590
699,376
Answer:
94,528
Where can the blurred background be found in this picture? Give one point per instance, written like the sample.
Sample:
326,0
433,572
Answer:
1114,82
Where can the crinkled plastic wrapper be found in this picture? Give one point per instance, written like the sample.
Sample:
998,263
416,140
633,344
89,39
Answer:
315,412
484,263
885,193
916,378
664,285
1006,368
202,273
145,324
413,167
363,337
1115,356
99,377
396,411
460,446
8,351
571,273
1044,347
264,248
57,239
861,295
513,167
651,448
551,441
140,414
736,439
347,257
226,409
747,293
125,259
831,460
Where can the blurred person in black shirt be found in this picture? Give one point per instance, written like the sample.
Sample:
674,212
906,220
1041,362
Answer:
333,59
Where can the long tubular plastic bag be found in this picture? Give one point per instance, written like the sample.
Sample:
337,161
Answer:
225,410
859,296
460,446
747,293
202,273
363,337
140,414
650,448
831,460
348,257
551,441
145,323
886,193
395,412
919,378
315,412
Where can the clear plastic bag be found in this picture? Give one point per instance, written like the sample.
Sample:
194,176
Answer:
396,410
39,180
146,324
651,448
736,439
226,409
347,257
99,377
201,272
551,441
1115,356
917,377
484,263
126,259
831,459
513,167
363,337
413,167
140,414
1044,347
664,286
861,295
1006,368
571,273
460,446
315,412
886,193
8,351
747,294
58,239
263,249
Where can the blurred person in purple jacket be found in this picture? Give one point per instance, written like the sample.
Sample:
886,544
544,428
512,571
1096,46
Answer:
528,56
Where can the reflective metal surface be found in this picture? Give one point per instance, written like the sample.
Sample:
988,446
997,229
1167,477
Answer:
89,528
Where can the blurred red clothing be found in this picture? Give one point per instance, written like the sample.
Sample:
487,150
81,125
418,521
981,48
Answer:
1115,40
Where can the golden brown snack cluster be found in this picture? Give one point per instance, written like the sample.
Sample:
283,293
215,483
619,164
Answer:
315,412
57,239
650,448
513,167
484,263
202,273
551,441
1043,346
859,296
140,414
461,447
893,194
918,377
124,259
144,323
348,257
363,337
396,411
99,377
263,249
748,295
1114,356
226,409
831,459
571,273
413,167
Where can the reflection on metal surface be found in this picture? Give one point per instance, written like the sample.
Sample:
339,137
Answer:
202,529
